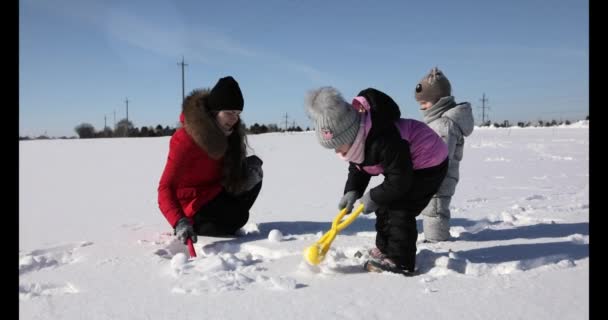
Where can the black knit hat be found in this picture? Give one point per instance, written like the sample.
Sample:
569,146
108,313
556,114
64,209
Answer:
225,95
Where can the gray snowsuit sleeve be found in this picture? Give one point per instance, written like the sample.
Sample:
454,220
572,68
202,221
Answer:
452,136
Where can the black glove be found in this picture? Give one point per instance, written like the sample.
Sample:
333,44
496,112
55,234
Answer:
369,205
348,201
253,171
253,161
184,230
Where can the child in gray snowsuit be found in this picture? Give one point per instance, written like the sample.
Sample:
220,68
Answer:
453,122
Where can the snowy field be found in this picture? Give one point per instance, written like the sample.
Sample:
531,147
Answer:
94,245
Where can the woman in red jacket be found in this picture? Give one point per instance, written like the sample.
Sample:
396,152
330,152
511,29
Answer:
208,185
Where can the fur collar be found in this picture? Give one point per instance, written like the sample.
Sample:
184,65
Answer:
201,125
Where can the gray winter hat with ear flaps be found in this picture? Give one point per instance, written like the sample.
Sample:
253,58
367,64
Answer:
433,86
336,121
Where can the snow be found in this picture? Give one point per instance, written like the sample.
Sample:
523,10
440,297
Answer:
94,245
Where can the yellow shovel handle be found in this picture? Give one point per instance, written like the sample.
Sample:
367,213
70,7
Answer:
336,221
338,226
351,218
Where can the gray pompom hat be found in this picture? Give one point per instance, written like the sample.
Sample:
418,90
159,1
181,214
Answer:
336,121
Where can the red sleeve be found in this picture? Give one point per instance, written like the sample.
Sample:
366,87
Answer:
167,199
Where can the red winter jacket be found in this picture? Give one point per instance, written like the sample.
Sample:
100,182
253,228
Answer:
191,178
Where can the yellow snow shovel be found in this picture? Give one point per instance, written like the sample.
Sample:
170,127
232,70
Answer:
316,253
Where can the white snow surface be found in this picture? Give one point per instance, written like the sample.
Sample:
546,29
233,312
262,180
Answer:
94,245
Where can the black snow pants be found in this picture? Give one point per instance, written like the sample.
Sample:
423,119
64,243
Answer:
226,213
396,224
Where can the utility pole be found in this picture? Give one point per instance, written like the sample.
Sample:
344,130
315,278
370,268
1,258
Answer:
114,119
483,109
104,122
127,124
285,122
183,88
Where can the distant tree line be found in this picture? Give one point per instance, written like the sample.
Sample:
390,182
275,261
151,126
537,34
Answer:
123,128
539,123
257,128
126,128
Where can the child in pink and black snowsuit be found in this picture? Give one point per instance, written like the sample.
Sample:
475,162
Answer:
372,137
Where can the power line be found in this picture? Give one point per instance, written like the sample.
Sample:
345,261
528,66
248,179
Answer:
483,109
127,131
183,81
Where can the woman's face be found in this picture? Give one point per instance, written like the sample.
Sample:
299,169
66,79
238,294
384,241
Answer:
226,119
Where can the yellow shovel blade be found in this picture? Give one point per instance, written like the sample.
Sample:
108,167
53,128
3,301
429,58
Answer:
316,253
311,255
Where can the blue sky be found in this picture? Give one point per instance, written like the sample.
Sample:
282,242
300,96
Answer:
80,60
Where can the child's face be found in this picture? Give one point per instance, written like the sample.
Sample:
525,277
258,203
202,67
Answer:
343,149
425,104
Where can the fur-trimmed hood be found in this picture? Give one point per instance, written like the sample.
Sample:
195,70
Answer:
201,126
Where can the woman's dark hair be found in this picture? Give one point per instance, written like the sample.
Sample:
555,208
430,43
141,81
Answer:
234,175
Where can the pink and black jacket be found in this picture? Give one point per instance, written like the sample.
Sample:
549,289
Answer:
405,151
